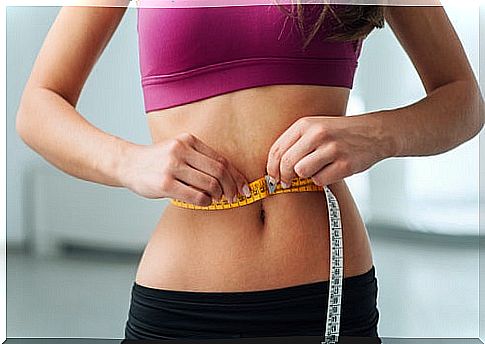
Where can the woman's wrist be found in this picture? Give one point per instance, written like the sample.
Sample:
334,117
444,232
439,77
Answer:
124,150
386,142
447,117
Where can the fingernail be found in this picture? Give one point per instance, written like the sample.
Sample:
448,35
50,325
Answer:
234,199
284,185
272,180
246,191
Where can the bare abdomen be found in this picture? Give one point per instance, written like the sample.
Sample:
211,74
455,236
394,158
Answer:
237,250
279,241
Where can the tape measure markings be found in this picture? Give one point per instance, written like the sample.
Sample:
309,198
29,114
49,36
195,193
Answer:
332,328
259,190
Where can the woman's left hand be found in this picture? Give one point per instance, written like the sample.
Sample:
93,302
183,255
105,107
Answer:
326,148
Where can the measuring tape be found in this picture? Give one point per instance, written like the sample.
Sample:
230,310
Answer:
262,188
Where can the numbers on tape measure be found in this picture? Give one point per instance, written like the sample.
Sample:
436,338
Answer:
332,327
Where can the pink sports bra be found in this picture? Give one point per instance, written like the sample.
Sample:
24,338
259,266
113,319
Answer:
188,54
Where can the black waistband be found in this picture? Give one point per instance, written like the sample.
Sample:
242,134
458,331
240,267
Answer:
350,285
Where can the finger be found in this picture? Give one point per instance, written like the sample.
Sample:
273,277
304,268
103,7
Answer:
309,165
329,174
241,181
203,148
235,181
200,180
189,194
280,146
214,165
305,145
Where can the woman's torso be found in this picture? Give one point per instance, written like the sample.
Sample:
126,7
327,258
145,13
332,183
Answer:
235,249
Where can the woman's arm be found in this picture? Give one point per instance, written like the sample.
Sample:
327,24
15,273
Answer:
330,148
47,120
182,167
453,110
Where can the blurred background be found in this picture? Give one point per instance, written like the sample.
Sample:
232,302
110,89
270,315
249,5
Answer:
73,246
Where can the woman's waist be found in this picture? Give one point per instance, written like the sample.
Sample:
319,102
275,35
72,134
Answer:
237,258
245,255
194,247
289,217
244,252
277,220
263,210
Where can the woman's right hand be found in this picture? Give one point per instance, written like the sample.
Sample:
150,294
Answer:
183,168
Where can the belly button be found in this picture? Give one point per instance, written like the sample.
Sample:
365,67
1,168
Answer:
261,215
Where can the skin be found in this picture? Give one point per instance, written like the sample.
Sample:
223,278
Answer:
201,151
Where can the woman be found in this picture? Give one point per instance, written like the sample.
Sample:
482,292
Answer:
230,97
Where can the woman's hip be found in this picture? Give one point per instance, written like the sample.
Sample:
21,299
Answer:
296,310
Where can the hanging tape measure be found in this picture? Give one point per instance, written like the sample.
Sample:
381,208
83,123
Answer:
262,188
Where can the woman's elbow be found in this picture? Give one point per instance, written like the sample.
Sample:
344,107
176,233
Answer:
20,120
24,117
475,105
21,124
481,111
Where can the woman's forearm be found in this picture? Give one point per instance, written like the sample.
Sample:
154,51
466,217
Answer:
449,116
51,126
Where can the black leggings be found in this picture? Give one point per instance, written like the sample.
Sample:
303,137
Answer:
291,311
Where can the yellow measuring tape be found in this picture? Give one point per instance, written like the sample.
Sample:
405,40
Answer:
259,188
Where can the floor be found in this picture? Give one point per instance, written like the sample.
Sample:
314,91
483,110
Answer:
428,287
